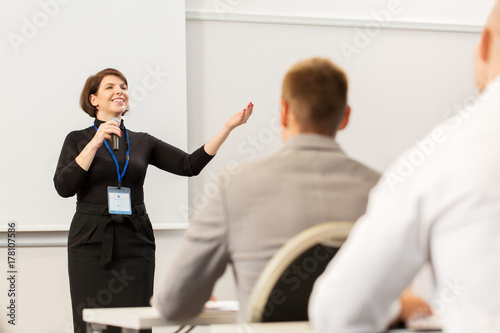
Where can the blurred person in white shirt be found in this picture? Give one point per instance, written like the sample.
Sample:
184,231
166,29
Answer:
445,212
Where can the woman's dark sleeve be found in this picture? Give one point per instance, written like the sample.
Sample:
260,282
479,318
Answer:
176,161
69,175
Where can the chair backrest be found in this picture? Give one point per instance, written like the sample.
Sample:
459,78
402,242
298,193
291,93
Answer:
282,290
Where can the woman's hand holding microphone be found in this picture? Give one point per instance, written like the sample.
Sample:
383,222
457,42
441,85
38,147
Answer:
104,132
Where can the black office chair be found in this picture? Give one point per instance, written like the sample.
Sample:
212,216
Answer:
282,290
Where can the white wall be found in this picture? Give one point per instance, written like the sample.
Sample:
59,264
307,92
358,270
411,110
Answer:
402,83
446,11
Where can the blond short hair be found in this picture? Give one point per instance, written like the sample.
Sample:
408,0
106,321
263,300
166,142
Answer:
316,90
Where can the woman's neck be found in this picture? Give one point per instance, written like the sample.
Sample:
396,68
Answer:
105,116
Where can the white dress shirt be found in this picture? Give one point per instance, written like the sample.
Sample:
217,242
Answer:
438,203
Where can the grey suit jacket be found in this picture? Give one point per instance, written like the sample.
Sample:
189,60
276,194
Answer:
253,213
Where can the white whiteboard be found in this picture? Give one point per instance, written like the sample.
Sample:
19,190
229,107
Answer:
47,49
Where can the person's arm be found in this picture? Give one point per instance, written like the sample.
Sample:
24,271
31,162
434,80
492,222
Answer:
213,145
176,161
69,175
385,249
201,259
73,164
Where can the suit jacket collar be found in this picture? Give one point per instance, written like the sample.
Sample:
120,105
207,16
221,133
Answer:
312,141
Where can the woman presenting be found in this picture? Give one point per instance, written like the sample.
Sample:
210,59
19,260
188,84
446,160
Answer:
111,245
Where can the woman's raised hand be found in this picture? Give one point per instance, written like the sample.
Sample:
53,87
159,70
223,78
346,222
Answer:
240,118
213,145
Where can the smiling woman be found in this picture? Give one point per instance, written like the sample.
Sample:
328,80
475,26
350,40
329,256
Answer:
90,100
111,235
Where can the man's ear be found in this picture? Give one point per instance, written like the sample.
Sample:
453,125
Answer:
345,119
485,45
93,100
285,110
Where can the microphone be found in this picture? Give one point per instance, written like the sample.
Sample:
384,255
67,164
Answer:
114,138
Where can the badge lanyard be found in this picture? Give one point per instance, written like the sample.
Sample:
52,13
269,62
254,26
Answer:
127,156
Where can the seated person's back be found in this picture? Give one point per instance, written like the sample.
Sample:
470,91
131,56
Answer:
310,181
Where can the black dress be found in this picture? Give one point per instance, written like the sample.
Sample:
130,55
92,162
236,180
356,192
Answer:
111,258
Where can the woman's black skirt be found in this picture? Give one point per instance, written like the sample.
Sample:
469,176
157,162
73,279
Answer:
111,260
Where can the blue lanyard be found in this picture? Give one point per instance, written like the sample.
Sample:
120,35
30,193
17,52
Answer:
120,176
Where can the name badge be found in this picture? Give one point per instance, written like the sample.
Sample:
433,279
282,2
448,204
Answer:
119,201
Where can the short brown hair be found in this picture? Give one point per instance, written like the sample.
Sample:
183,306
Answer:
92,86
316,90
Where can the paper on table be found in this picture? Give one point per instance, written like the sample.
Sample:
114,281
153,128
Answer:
421,323
222,305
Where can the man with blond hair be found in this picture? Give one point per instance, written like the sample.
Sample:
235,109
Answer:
308,182
447,215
